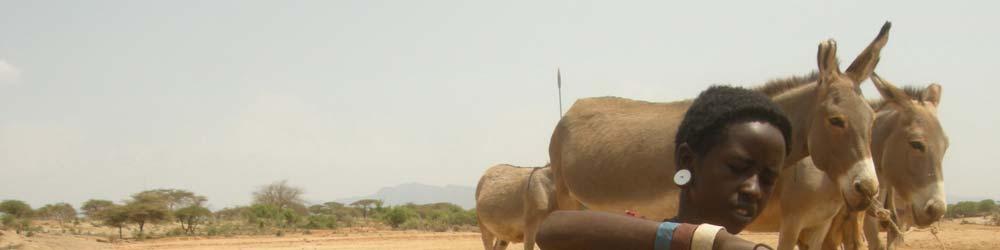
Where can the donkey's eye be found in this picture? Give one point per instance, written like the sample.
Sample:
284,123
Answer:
918,146
838,122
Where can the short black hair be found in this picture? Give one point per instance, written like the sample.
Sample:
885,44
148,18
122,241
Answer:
717,107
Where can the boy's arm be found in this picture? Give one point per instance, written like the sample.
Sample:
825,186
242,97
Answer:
598,230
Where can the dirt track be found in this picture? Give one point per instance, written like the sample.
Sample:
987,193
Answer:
953,235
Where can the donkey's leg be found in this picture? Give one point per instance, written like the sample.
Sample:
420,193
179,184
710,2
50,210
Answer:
812,238
487,236
834,236
529,235
789,234
501,245
852,231
872,228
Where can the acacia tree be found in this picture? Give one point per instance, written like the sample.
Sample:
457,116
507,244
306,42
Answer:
115,216
230,213
343,212
319,209
282,196
17,214
192,216
366,206
61,212
176,198
15,208
93,208
147,207
334,205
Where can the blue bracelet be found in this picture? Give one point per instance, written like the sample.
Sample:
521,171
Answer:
664,235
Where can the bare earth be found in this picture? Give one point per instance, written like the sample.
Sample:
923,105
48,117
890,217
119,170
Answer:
952,234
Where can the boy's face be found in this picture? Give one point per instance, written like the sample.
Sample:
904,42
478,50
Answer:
733,180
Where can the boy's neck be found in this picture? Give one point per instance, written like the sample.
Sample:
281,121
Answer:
686,214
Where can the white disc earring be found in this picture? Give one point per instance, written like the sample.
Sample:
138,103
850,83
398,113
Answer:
682,177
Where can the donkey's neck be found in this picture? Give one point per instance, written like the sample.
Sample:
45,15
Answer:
799,104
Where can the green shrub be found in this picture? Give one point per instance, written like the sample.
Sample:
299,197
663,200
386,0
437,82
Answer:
986,206
398,215
176,232
464,217
221,229
963,209
412,225
346,221
437,226
7,220
321,222
268,215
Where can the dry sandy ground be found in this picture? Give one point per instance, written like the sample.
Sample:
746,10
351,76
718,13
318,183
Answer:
953,235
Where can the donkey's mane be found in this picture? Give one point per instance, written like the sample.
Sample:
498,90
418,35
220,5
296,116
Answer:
782,85
915,93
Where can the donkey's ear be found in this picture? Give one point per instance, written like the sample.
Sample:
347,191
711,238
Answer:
889,92
865,63
826,58
932,94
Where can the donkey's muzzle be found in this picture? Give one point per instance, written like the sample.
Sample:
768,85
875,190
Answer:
866,188
935,210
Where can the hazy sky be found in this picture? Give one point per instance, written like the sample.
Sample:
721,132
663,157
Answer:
102,99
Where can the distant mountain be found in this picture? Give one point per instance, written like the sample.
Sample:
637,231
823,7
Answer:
422,194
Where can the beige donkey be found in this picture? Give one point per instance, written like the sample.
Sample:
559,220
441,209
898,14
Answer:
910,159
810,209
511,202
615,154
908,145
